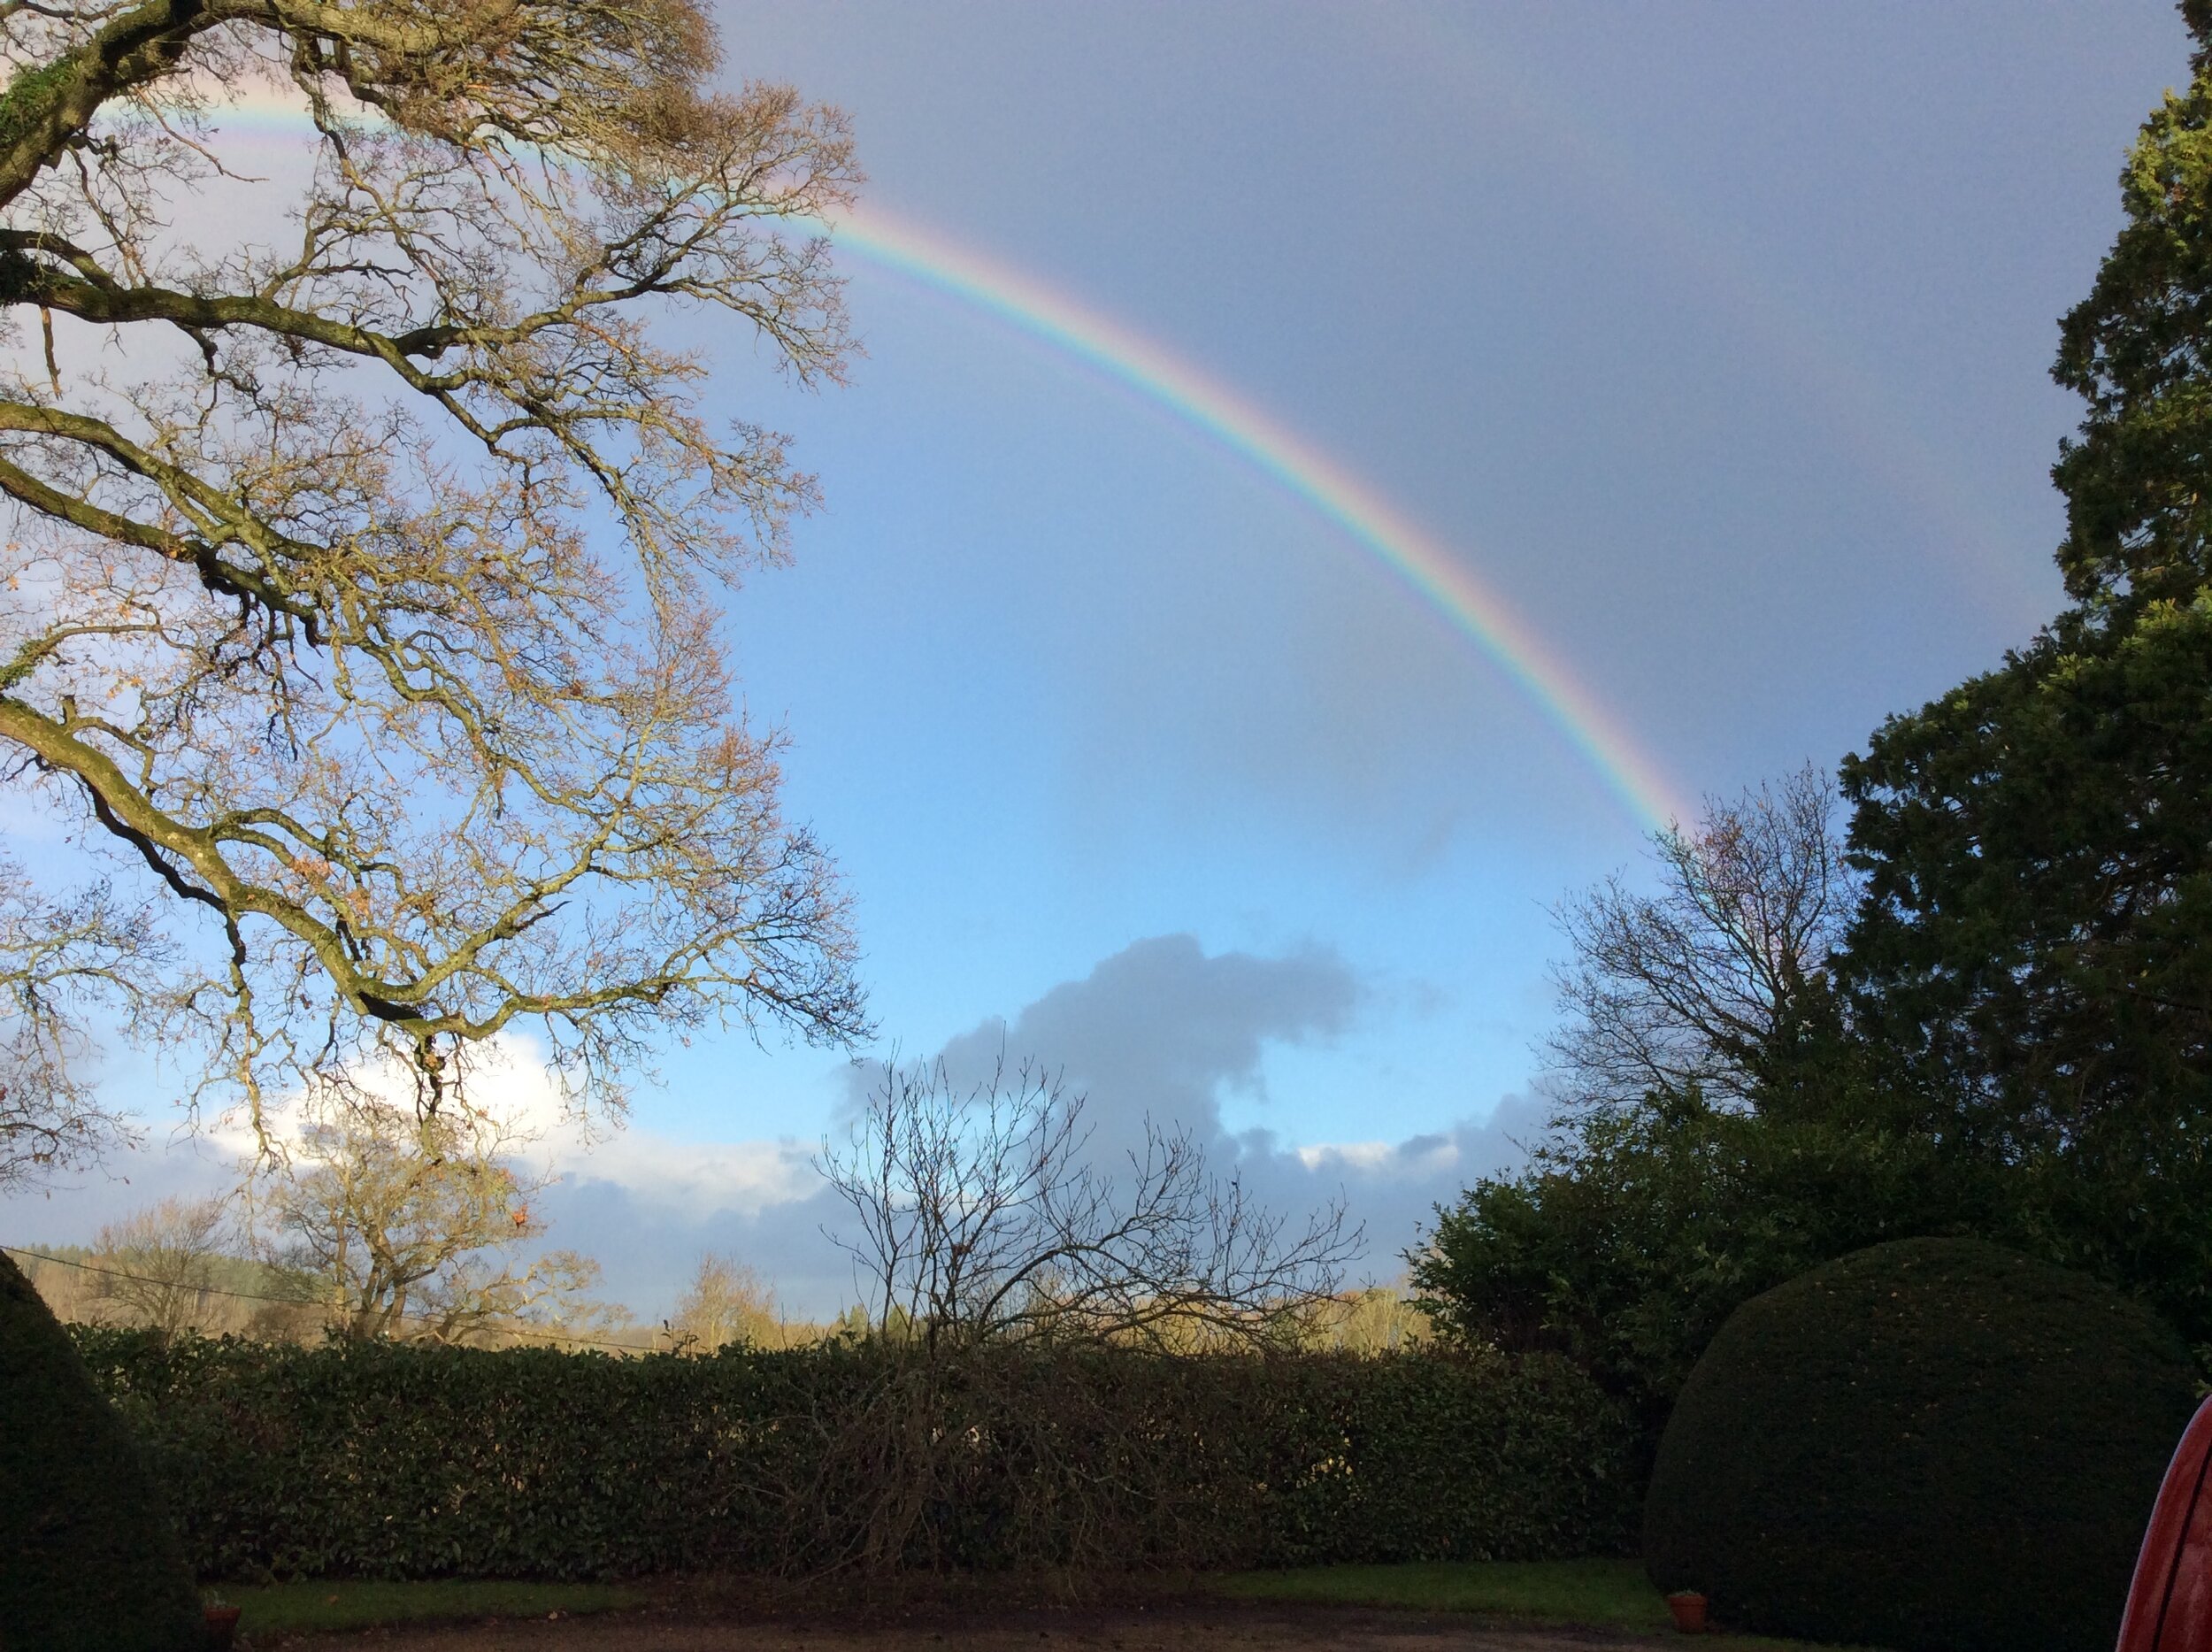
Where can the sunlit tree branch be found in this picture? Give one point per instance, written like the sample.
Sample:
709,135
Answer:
361,589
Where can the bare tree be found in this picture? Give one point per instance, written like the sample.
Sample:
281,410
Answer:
359,593
1695,987
983,1216
62,961
1373,1319
160,1261
410,1228
990,1243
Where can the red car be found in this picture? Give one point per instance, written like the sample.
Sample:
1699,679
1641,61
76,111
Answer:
2169,1606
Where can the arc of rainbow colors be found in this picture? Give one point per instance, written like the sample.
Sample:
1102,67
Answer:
1418,560
1420,564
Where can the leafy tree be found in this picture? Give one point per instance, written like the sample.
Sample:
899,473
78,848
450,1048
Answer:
2137,481
1634,1234
2036,947
359,594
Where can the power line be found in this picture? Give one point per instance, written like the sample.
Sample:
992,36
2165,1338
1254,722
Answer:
295,1301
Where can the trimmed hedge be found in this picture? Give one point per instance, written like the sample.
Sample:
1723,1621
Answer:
391,1461
1934,1443
87,1562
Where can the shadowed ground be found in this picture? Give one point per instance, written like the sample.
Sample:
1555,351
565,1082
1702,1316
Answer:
1160,1628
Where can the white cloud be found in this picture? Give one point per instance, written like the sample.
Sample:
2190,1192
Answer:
699,1180
1365,1156
513,1085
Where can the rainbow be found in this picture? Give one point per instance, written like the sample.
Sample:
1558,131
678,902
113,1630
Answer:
1422,565
1392,540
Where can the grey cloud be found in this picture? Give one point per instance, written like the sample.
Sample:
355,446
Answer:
1159,1029
648,1250
1162,1030
1395,1187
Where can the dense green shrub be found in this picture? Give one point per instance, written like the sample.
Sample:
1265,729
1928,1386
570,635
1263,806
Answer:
1632,1235
393,1461
87,1559
1934,1443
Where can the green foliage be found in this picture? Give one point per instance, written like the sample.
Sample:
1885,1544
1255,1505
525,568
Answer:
2138,481
1929,1444
1637,1232
390,1460
31,94
87,1560
2035,951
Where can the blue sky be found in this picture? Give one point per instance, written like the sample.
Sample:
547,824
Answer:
1714,336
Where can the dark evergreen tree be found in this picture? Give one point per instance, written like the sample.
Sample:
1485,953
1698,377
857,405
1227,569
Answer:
89,1561
2137,481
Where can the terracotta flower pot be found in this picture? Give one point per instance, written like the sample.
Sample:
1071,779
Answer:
222,1624
1688,1608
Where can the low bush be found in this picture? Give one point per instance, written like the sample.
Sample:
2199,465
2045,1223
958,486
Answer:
390,1460
1934,1443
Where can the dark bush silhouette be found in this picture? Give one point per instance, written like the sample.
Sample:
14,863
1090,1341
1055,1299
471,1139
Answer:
1934,1443
87,1561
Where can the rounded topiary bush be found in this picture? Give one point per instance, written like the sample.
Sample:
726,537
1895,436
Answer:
1935,1443
87,1561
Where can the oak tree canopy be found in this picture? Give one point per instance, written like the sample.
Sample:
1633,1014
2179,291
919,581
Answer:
359,592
